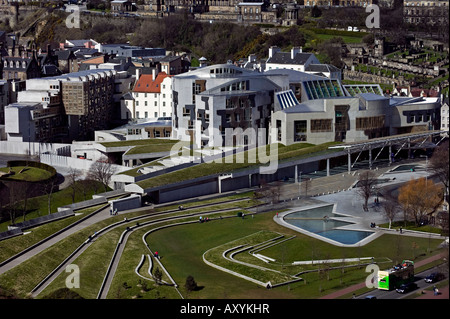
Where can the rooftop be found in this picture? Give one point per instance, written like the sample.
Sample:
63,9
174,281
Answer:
285,58
146,84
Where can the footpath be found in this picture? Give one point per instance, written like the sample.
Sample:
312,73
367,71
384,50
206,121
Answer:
427,295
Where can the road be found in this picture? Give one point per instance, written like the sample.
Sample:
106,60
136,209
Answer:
393,294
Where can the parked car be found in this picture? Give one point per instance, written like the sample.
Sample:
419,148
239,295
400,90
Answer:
370,297
403,289
433,277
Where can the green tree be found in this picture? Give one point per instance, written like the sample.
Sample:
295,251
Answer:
190,284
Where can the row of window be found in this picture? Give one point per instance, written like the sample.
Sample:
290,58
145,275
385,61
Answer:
146,115
18,64
146,103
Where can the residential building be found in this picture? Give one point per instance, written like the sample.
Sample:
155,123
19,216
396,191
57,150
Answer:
296,59
434,12
62,108
67,61
151,97
340,3
20,65
121,5
131,51
84,43
250,11
174,64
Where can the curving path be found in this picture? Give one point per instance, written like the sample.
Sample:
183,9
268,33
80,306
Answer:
89,220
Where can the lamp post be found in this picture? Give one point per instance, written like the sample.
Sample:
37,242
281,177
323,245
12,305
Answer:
299,182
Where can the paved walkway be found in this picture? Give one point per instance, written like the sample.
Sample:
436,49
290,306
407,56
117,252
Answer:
356,287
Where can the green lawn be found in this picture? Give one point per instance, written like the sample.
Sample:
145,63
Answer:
29,174
230,164
182,248
147,142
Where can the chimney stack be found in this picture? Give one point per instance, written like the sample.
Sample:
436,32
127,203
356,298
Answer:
273,50
294,52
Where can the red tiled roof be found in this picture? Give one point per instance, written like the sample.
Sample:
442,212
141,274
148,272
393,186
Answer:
416,92
145,84
95,60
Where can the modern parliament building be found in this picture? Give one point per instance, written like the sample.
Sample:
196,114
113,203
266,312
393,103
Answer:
289,106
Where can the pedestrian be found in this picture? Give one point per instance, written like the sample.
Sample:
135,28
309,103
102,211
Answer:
401,230
435,290
277,214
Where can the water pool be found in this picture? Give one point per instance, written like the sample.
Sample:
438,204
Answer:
312,220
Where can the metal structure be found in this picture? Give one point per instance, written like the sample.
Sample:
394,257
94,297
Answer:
409,141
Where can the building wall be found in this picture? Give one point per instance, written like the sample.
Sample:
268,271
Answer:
213,87
426,11
366,120
153,105
445,117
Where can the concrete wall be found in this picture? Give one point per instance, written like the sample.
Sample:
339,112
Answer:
25,148
72,162
206,188
131,202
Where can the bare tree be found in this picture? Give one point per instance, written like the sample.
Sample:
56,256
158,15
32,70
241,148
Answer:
391,206
366,183
74,175
439,163
102,170
48,187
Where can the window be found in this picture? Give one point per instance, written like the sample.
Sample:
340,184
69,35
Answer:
137,115
146,114
321,125
300,131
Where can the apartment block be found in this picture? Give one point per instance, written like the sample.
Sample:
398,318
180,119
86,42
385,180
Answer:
62,108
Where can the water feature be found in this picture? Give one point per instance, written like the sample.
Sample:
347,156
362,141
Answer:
324,222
